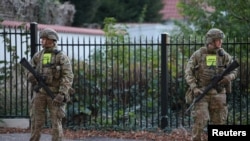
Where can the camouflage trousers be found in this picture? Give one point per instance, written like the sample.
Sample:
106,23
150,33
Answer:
38,109
212,109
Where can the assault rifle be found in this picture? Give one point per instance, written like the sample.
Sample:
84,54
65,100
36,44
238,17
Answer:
38,77
214,82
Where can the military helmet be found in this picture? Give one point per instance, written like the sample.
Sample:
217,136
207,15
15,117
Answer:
213,34
49,33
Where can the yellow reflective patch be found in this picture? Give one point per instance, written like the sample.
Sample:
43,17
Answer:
211,60
46,58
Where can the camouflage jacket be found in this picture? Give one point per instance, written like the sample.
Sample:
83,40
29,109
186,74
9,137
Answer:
203,66
56,69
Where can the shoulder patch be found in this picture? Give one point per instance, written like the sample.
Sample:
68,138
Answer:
203,50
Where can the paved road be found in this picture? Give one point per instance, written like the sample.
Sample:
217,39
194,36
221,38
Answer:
47,137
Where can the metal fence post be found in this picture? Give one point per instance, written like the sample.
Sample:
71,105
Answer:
164,78
33,38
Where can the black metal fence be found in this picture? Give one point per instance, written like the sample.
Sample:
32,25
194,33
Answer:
120,83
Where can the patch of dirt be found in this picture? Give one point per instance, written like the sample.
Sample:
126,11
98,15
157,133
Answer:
179,134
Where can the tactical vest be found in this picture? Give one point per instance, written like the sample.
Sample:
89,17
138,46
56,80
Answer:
209,65
50,69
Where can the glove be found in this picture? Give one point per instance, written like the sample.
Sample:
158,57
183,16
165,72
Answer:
58,100
226,80
32,79
197,91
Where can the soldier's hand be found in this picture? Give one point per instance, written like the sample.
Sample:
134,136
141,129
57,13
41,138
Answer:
226,80
32,79
58,100
197,91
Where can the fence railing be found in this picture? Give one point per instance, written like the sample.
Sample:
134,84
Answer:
123,84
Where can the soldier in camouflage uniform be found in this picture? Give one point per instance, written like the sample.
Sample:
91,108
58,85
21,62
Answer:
55,67
202,66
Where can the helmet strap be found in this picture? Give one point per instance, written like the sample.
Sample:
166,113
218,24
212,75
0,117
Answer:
211,49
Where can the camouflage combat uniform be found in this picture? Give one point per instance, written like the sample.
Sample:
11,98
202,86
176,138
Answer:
55,67
202,66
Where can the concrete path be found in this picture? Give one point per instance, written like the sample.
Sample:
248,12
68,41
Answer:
47,137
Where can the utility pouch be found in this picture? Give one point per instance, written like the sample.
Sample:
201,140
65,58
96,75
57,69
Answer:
57,72
189,97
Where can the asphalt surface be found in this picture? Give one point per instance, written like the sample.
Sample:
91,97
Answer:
47,137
